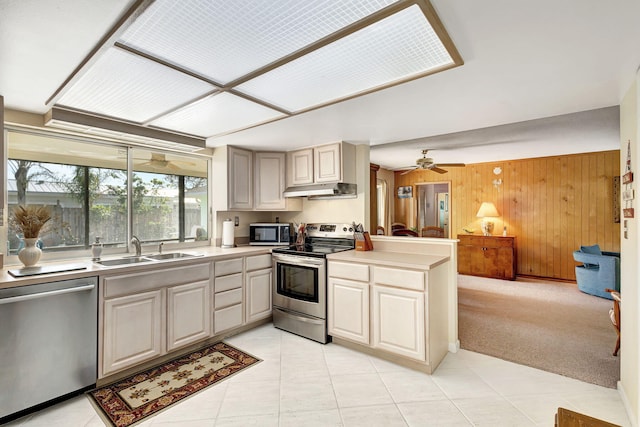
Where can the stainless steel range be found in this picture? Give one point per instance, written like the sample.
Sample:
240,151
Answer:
300,291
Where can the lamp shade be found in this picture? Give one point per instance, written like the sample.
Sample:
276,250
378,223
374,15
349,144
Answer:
487,209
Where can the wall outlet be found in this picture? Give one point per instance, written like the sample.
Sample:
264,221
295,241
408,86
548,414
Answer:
237,221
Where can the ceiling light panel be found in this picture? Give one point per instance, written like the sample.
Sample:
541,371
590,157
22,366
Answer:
224,40
217,114
391,50
129,87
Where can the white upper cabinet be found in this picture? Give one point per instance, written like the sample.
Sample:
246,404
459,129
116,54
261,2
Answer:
240,178
232,179
300,167
269,181
321,164
327,164
247,180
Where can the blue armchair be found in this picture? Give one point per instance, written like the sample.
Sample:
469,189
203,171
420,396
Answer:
599,271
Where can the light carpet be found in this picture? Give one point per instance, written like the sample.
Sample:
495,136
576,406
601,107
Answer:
543,324
142,395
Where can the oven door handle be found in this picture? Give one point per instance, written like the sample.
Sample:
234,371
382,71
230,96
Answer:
297,260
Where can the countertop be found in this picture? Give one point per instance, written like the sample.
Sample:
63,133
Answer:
208,253
391,259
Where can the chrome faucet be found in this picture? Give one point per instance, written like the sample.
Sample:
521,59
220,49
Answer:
136,242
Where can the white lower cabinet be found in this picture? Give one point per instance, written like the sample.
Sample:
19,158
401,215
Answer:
147,314
133,330
399,321
188,311
398,313
259,294
348,310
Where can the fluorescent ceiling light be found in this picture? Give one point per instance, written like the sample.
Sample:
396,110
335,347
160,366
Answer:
129,87
226,40
217,114
208,68
398,47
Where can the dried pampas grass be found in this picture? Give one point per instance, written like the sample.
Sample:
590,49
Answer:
30,219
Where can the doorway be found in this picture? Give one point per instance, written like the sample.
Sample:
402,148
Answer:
433,207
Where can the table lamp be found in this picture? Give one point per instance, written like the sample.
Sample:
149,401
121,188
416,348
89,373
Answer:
487,210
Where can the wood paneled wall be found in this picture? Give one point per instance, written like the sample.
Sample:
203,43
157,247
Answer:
551,204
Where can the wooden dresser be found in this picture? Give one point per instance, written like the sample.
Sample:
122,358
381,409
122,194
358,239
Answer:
488,256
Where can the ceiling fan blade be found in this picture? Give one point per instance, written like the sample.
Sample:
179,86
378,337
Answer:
452,165
437,169
407,171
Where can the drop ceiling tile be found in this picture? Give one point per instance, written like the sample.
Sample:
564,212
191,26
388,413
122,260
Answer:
129,87
216,115
224,40
396,48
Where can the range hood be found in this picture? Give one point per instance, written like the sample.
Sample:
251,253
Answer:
334,190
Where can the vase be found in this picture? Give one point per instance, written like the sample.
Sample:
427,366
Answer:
30,254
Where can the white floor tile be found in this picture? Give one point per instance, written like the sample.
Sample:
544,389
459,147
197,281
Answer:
373,416
410,386
433,413
360,390
492,412
304,383
303,394
328,418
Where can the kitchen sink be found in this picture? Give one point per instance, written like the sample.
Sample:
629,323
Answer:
124,261
145,258
171,255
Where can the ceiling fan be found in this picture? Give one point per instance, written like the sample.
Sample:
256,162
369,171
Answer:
159,161
429,164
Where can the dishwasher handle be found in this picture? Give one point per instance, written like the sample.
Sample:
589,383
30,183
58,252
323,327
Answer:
20,298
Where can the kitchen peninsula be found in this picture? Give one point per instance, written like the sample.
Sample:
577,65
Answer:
398,301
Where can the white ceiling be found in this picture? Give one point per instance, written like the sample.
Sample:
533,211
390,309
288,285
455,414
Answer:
523,61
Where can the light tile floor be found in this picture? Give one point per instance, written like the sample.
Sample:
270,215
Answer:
303,383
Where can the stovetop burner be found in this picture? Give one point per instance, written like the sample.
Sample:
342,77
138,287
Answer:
321,240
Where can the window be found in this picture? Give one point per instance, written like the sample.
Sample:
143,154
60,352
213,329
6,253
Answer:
85,185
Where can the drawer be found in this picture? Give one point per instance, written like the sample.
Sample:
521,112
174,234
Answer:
344,270
258,262
226,283
407,279
227,298
499,242
227,318
154,279
229,266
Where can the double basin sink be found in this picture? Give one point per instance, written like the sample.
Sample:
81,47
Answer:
145,258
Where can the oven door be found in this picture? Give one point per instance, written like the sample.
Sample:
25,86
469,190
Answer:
300,284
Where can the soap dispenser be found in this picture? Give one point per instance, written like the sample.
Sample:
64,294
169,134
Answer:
96,249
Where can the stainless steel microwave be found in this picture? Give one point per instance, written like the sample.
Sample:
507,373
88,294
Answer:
272,234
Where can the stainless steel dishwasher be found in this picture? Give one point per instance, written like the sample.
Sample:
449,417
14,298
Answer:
48,342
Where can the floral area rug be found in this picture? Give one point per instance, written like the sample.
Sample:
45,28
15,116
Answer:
142,395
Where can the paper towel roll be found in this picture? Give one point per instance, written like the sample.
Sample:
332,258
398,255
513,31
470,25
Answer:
228,238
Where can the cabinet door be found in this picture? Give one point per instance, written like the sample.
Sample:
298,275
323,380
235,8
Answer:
258,295
240,178
471,255
399,321
269,181
348,310
188,314
300,167
132,330
327,163
499,263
